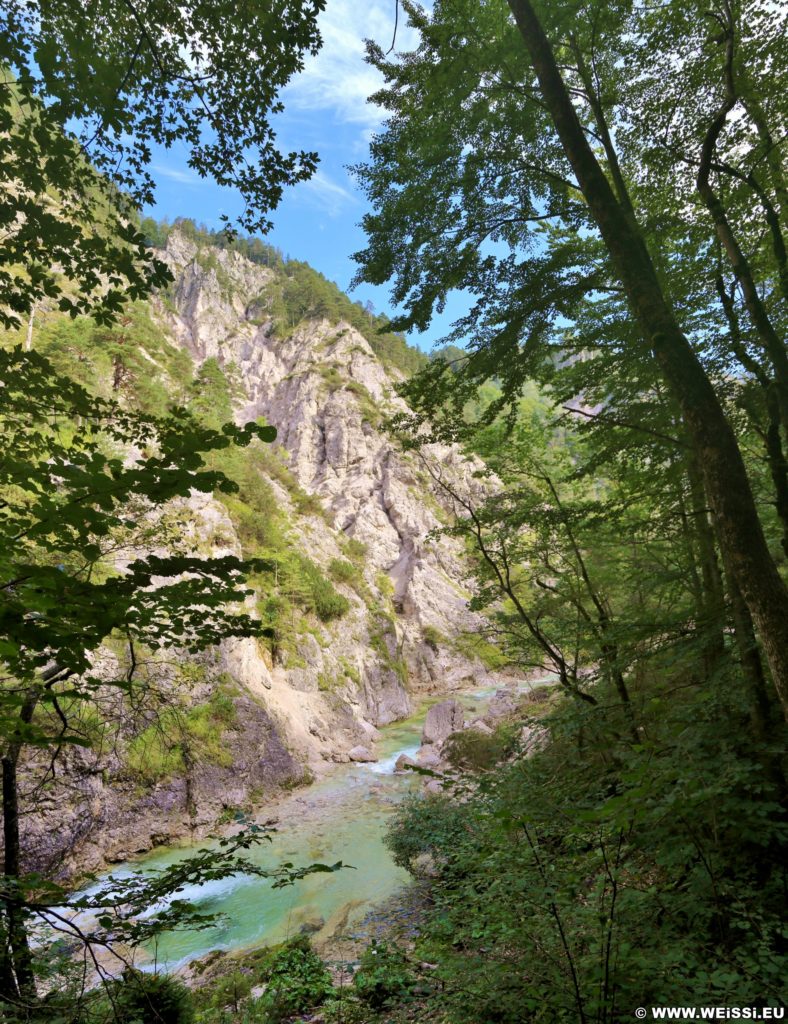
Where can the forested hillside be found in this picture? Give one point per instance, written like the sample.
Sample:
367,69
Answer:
249,531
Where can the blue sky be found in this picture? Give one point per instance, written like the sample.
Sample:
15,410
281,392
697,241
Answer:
326,110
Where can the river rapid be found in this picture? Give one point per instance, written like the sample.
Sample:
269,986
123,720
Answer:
342,817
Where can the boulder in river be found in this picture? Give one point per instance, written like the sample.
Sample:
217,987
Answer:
428,757
479,725
442,720
403,762
362,754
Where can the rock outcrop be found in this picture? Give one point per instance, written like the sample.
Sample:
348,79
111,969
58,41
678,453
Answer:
442,720
324,389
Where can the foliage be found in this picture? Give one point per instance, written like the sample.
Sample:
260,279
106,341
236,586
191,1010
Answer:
478,750
212,394
343,571
179,737
356,550
433,636
383,976
383,641
304,293
636,859
71,503
77,512
86,94
621,240
150,999
297,981
593,878
429,824
114,361
473,645
226,995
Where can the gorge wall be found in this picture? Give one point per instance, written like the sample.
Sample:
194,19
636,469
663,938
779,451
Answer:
259,717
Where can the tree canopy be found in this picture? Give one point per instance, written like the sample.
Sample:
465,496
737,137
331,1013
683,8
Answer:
523,162
87,90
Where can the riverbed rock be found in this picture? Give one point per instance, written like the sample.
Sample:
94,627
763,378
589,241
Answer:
428,757
403,762
361,754
424,865
479,725
311,925
442,720
501,704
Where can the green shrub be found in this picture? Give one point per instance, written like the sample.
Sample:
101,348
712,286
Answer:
478,750
383,976
297,981
346,1008
382,637
432,824
326,601
151,999
434,637
356,549
627,867
342,571
182,734
307,504
131,359
472,645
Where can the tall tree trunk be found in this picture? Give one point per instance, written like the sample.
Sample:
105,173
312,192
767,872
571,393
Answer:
714,442
17,980
775,454
18,945
750,658
16,976
713,605
742,270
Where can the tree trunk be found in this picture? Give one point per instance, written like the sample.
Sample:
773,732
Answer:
17,980
725,478
775,455
18,966
713,603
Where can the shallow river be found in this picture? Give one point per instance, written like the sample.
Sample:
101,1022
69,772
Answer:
342,817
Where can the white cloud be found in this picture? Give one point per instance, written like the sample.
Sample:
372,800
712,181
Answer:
338,78
176,174
330,196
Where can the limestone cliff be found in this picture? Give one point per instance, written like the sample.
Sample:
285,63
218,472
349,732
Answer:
324,389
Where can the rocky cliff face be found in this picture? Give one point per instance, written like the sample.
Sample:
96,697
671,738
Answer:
322,386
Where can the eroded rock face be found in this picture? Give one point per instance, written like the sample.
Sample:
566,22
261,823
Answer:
442,720
97,811
326,392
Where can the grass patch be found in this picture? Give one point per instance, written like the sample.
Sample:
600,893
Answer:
472,645
180,737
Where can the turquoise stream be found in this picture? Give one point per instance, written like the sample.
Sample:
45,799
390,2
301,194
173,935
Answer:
342,817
